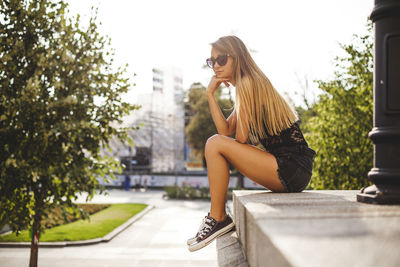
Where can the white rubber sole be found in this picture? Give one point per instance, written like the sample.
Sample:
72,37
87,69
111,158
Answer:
191,241
198,245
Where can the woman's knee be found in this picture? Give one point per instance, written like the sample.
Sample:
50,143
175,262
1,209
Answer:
213,143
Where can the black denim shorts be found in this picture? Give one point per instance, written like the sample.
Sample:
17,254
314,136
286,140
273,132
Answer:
294,166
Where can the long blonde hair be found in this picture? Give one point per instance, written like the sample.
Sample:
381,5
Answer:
261,108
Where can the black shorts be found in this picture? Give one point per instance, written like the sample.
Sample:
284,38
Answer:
294,166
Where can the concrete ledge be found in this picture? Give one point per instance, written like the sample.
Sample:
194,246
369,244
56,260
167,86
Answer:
316,228
105,238
229,251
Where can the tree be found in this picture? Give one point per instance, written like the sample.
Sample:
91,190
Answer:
201,125
60,102
341,120
307,112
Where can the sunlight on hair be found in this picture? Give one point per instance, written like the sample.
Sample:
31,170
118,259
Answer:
259,107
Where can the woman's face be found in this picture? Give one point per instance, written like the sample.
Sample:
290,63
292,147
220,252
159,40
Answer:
224,71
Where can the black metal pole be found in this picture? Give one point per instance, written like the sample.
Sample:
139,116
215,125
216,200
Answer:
385,135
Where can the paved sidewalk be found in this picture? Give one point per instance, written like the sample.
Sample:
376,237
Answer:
157,239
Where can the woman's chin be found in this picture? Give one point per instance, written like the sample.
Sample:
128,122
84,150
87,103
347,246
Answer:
221,75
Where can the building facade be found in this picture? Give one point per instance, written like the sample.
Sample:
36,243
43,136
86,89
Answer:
159,141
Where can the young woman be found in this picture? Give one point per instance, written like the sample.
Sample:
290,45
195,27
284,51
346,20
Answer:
268,148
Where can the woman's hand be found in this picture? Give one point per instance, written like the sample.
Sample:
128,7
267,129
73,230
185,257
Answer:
215,83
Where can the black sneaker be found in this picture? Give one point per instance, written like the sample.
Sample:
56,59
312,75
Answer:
211,230
193,239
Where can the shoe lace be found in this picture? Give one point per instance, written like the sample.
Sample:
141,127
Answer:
201,225
207,226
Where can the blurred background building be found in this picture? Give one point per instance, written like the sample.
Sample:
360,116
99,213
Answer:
159,143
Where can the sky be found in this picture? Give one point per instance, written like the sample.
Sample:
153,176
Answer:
292,41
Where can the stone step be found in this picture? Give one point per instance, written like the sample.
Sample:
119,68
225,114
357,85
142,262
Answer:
229,251
316,228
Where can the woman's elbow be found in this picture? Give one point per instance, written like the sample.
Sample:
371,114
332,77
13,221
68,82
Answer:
228,132
225,133
241,141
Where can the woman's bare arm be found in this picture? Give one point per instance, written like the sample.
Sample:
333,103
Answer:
224,126
242,132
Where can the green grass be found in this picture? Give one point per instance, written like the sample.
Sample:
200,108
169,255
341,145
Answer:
100,224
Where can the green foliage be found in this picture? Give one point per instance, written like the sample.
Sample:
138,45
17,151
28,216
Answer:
305,114
201,125
57,217
60,102
338,124
188,192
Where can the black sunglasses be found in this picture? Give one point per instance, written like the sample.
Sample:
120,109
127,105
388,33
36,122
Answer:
221,60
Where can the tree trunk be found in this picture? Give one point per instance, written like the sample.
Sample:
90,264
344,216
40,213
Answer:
33,261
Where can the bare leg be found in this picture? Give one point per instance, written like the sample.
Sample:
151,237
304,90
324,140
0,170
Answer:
260,166
218,179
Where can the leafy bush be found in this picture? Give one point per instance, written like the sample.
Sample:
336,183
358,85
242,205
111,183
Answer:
187,192
57,217
341,121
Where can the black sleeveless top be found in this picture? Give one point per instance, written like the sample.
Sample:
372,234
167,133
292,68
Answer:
289,137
